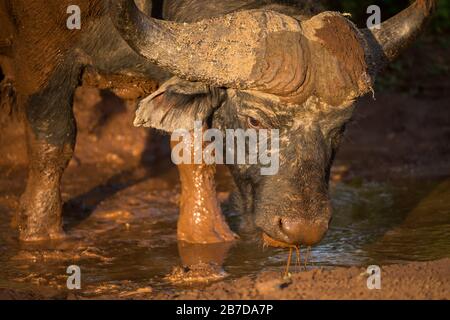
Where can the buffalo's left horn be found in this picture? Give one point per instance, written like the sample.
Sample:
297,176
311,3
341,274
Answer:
253,49
396,33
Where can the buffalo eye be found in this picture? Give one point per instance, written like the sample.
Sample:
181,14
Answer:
253,123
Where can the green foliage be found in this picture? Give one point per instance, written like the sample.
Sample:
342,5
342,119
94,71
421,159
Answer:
441,22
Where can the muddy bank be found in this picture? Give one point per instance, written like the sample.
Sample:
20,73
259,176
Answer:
416,280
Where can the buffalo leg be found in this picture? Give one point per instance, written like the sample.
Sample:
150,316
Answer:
50,134
201,219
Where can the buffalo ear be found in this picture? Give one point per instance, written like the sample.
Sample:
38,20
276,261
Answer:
177,104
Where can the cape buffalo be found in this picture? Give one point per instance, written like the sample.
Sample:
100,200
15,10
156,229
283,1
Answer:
235,64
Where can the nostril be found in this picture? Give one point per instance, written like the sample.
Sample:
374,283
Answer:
280,223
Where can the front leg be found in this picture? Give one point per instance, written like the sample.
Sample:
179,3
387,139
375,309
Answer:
50,134
41,205
201,219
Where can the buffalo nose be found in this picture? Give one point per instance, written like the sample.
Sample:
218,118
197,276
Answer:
303,232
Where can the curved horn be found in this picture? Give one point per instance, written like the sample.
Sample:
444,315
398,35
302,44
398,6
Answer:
398,32
241,50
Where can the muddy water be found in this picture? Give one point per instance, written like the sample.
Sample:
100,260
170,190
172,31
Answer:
123,234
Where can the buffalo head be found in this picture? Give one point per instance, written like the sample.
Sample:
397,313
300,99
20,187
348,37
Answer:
262,69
